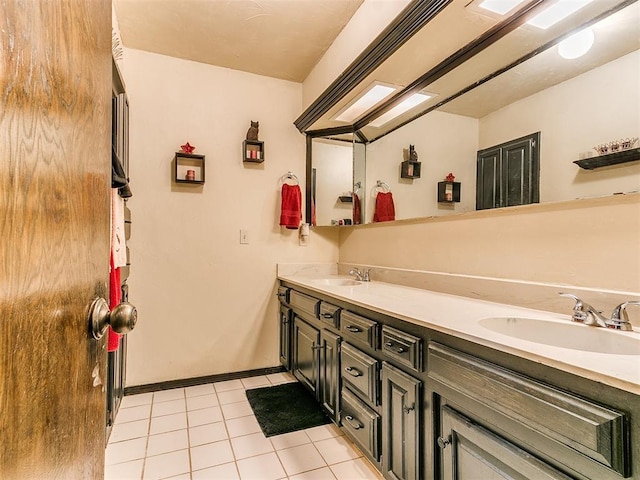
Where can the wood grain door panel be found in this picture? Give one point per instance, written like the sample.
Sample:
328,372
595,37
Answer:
55,91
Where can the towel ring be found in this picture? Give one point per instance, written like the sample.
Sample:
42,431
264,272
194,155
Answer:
289,176
356,187
380,186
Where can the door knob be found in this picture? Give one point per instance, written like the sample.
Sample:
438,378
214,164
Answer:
122,318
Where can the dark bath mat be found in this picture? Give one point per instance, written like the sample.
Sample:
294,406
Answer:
285,408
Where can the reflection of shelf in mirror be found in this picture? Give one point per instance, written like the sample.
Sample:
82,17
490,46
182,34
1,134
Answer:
448,192
615,158
410,169
345,199
188,168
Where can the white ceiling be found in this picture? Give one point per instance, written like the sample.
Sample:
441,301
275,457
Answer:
276,38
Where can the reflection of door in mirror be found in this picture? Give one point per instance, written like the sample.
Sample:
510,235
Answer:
508,174
333,164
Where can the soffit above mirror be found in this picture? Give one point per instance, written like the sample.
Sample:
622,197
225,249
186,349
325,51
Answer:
488,44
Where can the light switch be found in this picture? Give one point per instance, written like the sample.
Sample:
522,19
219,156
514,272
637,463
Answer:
244,237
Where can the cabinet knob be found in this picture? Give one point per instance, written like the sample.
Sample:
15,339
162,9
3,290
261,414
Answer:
443,442
353,422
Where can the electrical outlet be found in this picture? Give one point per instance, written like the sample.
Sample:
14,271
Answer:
244,237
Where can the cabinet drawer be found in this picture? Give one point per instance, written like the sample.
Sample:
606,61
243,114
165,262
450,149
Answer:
360,372
362,424
283,294
359,328
330,314
587,428
402,347
304,303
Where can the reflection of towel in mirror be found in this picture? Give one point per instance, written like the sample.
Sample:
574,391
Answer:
385,210
356,209
291,208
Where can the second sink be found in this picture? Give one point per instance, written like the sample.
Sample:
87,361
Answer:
337,282
565,335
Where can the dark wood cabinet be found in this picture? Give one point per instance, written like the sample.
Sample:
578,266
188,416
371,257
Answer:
471,452
509,174
284,345
305,357
330,373
400,424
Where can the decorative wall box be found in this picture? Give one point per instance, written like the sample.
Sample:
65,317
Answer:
448,192
410,169
188,168
615,158
253,151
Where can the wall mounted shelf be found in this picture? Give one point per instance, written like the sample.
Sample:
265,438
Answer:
615,158
448,192
410,169
188,168
253,151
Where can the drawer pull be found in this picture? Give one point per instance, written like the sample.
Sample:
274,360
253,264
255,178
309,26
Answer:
353,329
443,442
281,295
410,409
316,347
389,346
354,372
353,422
327,315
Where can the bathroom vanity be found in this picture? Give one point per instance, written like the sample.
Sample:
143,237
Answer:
436,386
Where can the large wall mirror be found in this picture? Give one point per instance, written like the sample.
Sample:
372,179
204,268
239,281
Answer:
497,78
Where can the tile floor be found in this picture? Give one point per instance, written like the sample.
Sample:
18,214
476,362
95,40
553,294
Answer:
210,432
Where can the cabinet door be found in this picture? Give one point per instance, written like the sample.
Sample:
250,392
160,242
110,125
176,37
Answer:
330,373
285,337
306,345
470,451
400,424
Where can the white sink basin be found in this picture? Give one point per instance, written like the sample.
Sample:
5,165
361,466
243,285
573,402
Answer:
566,335
337,282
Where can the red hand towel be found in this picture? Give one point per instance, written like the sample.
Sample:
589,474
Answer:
115,295
385,210
356,209
291,209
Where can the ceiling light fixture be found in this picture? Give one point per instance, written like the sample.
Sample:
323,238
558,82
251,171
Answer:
500,6
577,44
557,12
371,97
404,106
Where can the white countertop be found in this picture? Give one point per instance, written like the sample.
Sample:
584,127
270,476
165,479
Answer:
463,317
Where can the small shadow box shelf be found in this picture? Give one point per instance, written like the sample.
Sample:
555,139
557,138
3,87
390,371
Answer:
448,192
253,151
188,168
410,169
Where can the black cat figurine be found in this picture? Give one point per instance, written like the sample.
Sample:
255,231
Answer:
252,133
413,155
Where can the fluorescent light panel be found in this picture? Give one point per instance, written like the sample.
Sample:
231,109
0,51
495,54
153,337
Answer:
374,95
548,17
557,12
406,105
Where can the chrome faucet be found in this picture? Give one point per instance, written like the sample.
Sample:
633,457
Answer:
585,313
361,277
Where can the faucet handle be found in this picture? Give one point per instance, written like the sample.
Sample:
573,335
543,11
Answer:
366,276
619,317
579,311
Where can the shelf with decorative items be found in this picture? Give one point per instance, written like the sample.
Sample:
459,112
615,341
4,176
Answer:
608,159
448,190
411,168
188,167
252,148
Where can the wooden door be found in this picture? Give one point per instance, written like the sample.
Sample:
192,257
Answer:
55,91
470,452
400,424
305,358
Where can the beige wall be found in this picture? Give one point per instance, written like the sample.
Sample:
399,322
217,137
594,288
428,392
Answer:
207,304
591,243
